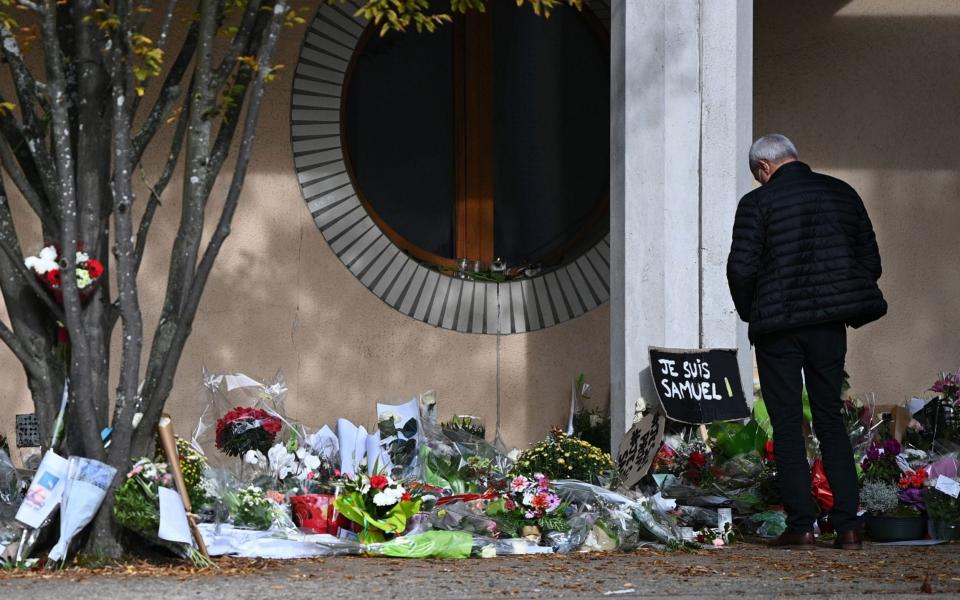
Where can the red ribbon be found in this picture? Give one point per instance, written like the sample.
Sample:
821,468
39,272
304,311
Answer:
820,486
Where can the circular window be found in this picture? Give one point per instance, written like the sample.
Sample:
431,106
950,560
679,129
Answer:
487,139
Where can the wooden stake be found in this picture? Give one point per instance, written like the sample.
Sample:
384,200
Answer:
169,443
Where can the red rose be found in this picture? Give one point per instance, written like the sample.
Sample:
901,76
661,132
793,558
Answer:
768,451
379,482
94,268
63,337
271,425
53,277
405,497
697,459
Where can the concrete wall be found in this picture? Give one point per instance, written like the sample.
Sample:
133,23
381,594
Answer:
869,90
280,299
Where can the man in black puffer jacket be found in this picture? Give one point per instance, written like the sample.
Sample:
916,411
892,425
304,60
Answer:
803,265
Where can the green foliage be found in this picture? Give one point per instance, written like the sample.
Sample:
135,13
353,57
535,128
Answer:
563,457
401,15
251,508
192,466
136,506
942,507
593,427
730,439
465,424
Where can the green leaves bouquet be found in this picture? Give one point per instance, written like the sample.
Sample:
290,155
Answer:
379,504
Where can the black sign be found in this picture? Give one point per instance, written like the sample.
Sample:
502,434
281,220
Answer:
698,386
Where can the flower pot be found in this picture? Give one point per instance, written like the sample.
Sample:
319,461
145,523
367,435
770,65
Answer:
896,529
944,530
315,512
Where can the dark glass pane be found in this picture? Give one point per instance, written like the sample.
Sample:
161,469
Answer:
551,123
399,130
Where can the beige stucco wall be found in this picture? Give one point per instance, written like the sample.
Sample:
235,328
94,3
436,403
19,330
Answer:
869,90
280,299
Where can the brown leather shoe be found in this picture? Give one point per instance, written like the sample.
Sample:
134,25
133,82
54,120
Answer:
849,540
796,541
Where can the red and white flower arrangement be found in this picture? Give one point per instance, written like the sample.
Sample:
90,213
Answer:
46,267
244,429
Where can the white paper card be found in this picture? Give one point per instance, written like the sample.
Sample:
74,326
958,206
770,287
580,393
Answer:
724,518
45,490
948,486
173,518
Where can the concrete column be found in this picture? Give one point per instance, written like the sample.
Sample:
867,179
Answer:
680,130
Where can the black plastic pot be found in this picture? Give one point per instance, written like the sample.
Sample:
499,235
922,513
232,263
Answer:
896,529
942,530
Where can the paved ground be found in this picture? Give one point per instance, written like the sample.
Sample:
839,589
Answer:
744,570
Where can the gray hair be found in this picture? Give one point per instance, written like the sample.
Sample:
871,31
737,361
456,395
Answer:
773,148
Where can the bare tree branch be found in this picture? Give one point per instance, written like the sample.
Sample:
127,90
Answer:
16,257
239,45
175,331
156,191
33,130
123,198
80,358
40,208
168,94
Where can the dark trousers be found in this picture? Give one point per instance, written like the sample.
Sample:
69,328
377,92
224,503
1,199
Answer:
818,351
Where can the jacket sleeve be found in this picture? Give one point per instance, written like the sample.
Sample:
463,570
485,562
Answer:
865,244
743,264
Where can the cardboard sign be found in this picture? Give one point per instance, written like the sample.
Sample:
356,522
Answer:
639,447
699,386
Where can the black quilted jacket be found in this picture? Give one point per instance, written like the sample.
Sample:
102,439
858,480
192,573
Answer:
803,252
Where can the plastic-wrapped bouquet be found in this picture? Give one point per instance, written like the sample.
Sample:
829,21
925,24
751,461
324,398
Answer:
378,503
911,489
46,266
137,504
244,429
87,483
252,507
564,457
529,507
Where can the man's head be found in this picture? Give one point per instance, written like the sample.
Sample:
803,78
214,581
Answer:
768,154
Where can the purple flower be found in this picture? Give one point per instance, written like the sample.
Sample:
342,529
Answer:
913,498
553,501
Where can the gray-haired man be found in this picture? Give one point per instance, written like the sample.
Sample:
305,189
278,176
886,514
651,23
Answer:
803,265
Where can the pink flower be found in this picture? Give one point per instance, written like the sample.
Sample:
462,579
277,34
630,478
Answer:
717,542
519,483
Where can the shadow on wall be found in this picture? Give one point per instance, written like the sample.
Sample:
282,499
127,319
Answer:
868,91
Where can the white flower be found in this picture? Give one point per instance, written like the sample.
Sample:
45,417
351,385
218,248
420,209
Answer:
488,551
308,460
282,463
388,415
254,457
384,498
49,253
82,257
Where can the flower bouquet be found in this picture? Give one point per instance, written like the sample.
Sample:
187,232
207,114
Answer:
254,508
529,508
306,477
564,457
244,429
46,267
378,503
137,504
87,483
